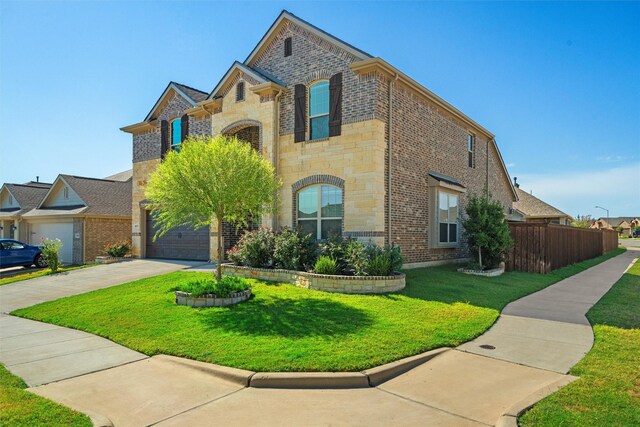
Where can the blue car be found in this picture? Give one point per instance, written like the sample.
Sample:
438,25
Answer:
15,254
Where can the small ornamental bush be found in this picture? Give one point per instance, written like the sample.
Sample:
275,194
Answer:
326,265
118,249
294,250
255,249
50,253
222,288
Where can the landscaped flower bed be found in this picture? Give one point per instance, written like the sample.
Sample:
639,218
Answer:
321,282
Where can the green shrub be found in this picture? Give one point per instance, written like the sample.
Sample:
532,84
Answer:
294,250
326,265
50,253
222,288
255,249
118,249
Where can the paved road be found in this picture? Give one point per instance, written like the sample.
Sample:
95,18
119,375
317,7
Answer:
41,353
456,388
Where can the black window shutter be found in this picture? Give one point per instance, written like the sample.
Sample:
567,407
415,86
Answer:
301,112
184,127
165,143
335,105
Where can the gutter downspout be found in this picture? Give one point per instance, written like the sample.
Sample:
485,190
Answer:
276,131
389,162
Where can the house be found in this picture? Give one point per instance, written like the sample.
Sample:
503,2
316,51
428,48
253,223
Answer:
84,213
529,208
395,162
624,225
15,200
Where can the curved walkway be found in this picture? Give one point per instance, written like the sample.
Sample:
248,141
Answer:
469,386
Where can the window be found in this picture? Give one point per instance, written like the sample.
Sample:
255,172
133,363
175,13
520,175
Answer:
471,146
288,47
319,110
176,134
447,218
65,192
320,222
240,91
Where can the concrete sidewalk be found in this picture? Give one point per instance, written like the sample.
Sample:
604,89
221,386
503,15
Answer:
549,329
455,388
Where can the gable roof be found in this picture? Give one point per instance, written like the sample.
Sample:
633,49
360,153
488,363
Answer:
285,15
26,195
531,206
101,196
191,95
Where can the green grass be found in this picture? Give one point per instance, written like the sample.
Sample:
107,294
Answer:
286,328
608,391
40,273
21,408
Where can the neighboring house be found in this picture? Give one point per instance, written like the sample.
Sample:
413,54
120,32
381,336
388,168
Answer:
327,115
15,200
84,213
624,224
529,208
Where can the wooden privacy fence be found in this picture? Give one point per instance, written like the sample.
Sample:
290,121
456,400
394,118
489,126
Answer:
541,248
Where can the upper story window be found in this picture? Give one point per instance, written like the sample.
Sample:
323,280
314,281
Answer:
471,148
176,134
288,46
447,218
320,211
240,91
319,110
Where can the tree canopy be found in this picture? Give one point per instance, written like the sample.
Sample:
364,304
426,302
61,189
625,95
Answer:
217,177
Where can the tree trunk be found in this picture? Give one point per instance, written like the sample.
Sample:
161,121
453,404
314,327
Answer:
219,260
480,258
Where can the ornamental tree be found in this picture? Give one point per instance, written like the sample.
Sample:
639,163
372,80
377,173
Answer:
217,177
487,231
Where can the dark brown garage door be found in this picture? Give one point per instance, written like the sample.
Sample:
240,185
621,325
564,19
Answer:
179,243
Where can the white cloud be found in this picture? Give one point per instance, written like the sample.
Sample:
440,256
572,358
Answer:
617,189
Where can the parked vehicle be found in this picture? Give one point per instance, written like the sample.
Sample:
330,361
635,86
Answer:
14,253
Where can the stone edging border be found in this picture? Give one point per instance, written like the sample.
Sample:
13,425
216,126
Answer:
211,300
510,417
322,282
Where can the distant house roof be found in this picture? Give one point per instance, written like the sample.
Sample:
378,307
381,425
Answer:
28,196
531,206
121,176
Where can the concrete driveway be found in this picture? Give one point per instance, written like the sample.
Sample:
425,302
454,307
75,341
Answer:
41,353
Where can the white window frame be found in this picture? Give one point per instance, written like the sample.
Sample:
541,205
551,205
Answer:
317,115
173,146
319,218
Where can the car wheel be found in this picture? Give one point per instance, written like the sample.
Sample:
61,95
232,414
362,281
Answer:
40,262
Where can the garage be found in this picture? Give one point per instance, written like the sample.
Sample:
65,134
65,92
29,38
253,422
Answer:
51,231
179,243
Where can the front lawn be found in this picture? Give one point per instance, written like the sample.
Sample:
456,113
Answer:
286,328
20,408
31,274
608,391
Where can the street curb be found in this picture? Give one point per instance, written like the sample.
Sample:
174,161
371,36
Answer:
510,417
383,373
306,380
234,375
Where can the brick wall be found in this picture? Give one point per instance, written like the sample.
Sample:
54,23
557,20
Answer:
100,232
313,58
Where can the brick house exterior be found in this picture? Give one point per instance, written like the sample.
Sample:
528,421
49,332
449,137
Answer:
437,153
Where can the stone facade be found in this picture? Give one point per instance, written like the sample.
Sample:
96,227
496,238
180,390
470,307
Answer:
425,136
100,232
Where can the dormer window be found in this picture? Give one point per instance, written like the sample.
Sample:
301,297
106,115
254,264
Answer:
319,110
240,92
176,134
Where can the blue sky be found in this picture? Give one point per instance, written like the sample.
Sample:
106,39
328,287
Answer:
557,83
